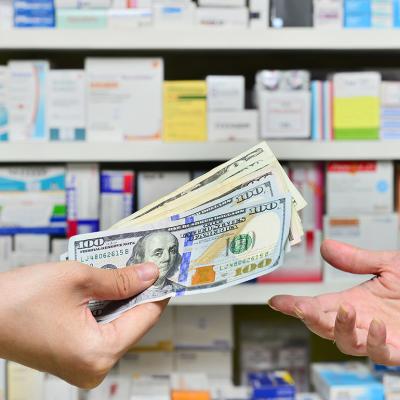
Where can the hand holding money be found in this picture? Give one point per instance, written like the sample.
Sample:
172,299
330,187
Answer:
226,227
61,336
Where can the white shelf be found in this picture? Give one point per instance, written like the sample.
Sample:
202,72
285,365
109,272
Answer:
155,151
198,38
261,293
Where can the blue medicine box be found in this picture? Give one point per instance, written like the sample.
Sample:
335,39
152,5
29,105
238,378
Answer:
357,7
34,13
272,385
357,21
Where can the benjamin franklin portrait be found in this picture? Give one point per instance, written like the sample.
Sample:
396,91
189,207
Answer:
161,248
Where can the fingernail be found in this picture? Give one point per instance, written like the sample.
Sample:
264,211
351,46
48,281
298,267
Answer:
271,306
374,326
299,313
342,314
147,272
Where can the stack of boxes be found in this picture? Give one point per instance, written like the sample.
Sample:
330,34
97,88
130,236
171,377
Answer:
263,350
284,103
360,208
227,117
189,350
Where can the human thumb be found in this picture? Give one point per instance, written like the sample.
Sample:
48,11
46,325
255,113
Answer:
121,283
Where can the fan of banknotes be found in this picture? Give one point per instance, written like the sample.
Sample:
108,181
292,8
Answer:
226,227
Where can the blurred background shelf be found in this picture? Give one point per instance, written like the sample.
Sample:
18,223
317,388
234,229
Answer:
289,150
202,39
252,294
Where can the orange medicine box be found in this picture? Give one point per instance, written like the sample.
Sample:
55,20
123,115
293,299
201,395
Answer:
190,395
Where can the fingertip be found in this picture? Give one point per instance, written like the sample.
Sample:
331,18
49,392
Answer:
345,313
147,271
270,304
377,328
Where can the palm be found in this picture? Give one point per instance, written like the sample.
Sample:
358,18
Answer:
363,320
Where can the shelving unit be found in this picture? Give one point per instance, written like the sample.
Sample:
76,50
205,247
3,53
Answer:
289,150
202,39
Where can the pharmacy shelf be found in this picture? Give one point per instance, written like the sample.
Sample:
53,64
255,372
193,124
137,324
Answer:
260,293
296,150
201,38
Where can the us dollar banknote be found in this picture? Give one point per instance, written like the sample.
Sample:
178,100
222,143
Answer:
197,254
228,175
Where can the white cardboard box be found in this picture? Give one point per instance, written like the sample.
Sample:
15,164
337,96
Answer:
161,336
166,16
124,98
116,198
27,105
373,232
3,379
128,18
285,115
146,363
119,387
150,388
233,125
354,188
328,13
58,247
259,14
154,185
83,198
216,364
66,105
6,257
204,327
223,17
4,123
83,3
222,3
24,383
57,389
225,93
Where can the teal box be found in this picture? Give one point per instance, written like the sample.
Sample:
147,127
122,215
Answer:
81,19
349,380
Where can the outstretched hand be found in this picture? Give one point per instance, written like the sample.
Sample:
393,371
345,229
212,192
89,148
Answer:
363,320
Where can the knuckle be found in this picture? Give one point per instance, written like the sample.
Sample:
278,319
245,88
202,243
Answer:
343,348
122,283
95,371
81,274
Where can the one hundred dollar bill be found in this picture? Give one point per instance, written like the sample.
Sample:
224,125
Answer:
220,179
263,187
203,253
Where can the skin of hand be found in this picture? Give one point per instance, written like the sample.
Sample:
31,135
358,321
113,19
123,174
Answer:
46,323
363,320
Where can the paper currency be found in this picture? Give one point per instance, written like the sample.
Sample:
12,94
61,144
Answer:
226,227
199,254
223,176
